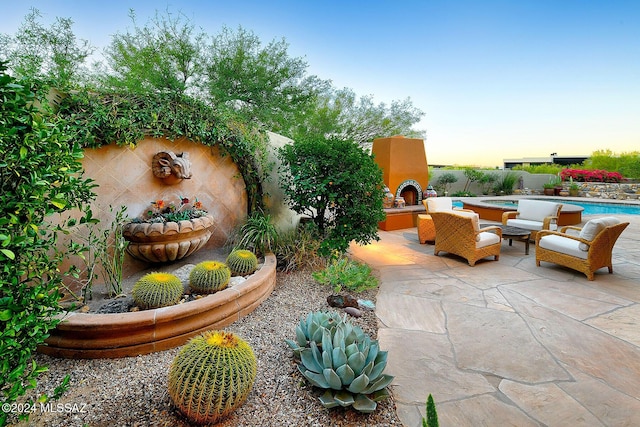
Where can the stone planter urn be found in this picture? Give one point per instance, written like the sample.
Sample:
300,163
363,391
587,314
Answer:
168,241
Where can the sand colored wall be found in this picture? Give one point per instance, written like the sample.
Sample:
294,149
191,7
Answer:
401,159
125,177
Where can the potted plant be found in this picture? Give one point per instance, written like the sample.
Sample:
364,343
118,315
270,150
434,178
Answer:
574,188
549,187
168,231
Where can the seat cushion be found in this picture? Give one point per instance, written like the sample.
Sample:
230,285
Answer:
536,210
486,238
564,245
529,224
595,226
439,204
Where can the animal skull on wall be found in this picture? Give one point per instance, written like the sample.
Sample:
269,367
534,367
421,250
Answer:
171,168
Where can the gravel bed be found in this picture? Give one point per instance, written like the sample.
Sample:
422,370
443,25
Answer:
133,391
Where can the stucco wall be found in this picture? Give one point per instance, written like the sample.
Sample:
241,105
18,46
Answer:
124,177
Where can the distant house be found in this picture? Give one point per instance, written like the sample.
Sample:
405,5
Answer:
552,159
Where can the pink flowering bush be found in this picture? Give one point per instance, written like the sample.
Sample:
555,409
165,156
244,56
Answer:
583,175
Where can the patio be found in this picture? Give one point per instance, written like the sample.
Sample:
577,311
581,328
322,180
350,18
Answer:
508,343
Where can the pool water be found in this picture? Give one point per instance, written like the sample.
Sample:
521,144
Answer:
590,208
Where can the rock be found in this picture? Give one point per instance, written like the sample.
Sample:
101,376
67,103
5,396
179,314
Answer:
117,305
341,301
366,304
352,311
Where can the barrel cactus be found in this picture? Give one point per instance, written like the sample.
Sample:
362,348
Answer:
211,376
348,366
242,262
156,290
310,329
208,277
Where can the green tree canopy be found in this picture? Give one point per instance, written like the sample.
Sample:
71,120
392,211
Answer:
337,184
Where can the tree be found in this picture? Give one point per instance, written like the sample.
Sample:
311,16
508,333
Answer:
164,55
341,114
40,175
338,185
53,55
264,84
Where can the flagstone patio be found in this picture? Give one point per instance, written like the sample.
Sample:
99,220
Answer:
506,343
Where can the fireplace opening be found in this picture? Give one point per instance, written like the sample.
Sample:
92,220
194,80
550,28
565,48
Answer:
411,191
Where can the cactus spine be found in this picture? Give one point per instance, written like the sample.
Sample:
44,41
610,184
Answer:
209,276
156,290
211,376
242,262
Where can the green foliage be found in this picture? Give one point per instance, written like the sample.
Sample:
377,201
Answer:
505,183
487,182
444,181
338,185
155,290
353,275
263,84
212,376
548,168
209,277
52,55
241,262
40,177
432,415
298,249
345,363
340,114
258,233
472,175
553,182
627,164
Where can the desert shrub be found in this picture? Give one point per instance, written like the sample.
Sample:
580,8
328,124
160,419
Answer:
298,249
343,272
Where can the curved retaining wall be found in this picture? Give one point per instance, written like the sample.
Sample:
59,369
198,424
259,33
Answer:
569,214
93,336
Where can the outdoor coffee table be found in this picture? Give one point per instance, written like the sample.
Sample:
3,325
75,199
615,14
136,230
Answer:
514,233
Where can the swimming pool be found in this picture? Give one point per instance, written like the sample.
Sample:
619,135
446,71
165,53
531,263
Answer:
590,208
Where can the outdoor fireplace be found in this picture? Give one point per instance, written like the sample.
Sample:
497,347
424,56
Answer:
404,166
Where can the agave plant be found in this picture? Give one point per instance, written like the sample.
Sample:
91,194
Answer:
348,365
311,328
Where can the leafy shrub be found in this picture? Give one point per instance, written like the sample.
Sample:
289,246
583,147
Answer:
583,175
354,276
338,185
258,233
444,181
432,415
40,175
506,182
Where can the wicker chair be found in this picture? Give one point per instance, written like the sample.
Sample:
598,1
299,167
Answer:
534,215
585,249
426,229
458,233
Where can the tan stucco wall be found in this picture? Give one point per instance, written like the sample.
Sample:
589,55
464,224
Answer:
124,177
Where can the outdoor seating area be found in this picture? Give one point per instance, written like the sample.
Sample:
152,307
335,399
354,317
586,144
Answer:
534,215
508,342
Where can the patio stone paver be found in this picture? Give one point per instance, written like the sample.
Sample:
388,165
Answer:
508,343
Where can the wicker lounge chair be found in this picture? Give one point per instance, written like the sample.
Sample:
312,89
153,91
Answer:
426,229
534,215
585,249
458,233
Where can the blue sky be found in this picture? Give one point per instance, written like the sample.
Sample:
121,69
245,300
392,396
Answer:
495,79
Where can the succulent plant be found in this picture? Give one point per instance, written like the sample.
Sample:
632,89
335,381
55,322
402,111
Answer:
209,276
346,363
211,376
311,328
242,262
156,290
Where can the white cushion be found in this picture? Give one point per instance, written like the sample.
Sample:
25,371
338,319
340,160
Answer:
564,245
486,238
536,210
595,226
439,204
529,224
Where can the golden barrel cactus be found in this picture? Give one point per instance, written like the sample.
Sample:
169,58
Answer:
156,290
208,277
242,262
211,376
